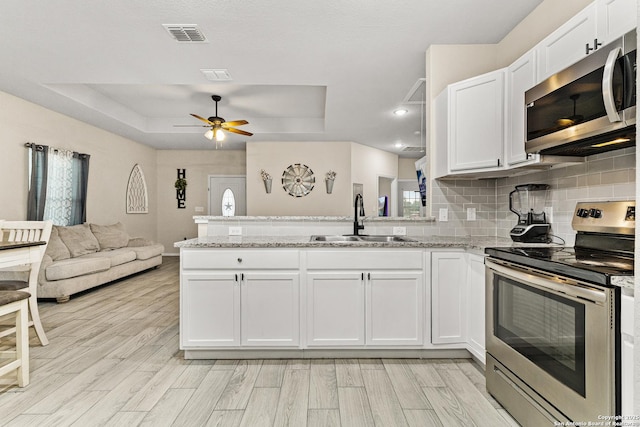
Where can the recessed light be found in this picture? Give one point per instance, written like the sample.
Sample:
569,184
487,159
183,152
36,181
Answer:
398,144
400,111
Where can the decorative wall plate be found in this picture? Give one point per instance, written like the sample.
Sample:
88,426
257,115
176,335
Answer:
298,180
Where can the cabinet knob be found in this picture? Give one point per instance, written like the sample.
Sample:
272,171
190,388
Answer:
239,259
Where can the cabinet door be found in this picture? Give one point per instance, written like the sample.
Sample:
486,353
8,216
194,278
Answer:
615,18
394,314
335,309
476,122
270,309
521,76
566,45
448,297
626,329
476,307
210,312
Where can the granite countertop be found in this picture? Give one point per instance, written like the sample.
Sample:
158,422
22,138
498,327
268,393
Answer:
471,243
205,218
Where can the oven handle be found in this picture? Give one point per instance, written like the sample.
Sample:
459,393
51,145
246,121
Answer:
530,278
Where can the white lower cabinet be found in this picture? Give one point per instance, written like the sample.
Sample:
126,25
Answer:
394,308
335,308
351,298
378,304
448,297
270,309
229,298
476,306
627,344
210,310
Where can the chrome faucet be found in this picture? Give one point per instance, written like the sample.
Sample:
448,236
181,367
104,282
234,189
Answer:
358,225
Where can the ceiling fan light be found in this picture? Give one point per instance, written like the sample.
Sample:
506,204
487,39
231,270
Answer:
209,134
219,135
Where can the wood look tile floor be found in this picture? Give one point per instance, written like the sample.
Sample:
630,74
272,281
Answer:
113,360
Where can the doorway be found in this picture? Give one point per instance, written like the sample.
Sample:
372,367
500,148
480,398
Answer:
227,195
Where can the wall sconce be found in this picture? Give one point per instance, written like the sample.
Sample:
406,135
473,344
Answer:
266,179
328,180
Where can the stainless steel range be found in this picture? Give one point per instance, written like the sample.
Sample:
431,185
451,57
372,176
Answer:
553,320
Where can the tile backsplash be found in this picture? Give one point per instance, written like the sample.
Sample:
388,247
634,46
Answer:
607,176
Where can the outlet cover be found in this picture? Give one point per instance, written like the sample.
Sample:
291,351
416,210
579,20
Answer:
399,231
235,231
471,214
443,215
199,209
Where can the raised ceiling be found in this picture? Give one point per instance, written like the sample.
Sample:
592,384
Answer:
301,70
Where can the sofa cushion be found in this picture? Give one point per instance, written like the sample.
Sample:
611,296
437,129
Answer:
56,248
110,236
115,257
147,252
74,267
79,239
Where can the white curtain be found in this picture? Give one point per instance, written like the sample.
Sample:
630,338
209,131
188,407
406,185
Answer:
59,202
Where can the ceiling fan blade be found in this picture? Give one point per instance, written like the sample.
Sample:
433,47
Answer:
238,131
203,119
235,123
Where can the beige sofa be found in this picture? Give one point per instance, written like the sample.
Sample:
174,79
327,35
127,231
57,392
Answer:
83,256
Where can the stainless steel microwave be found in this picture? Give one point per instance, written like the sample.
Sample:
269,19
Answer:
587,108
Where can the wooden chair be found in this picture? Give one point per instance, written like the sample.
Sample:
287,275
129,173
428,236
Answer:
15,302
27,231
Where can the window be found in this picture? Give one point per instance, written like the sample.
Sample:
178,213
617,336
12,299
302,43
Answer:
411,203
57,185
228,203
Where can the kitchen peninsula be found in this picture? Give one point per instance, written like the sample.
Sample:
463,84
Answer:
282,295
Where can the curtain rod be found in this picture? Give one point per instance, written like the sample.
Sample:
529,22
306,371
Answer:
39,147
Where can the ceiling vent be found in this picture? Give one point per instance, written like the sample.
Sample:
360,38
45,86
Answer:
217,74
413,149
417,93
185,33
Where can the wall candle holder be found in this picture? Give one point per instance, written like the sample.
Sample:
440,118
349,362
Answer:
266,179
328,180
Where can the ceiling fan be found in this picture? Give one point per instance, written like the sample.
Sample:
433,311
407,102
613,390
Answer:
218,125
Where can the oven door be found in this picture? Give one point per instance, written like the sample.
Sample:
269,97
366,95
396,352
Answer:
555,335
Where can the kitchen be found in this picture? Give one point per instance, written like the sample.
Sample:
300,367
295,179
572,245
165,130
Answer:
602,176
617,184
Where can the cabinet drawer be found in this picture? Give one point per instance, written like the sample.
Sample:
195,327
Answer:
239,259
364,260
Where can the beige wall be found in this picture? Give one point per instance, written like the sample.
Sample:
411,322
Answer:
275,157
367,164
112,158
176,224
407,168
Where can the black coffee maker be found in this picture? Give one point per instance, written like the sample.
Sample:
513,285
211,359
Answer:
528,202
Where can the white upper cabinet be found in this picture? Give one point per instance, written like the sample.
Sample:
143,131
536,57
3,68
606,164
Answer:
521,76
568,43
616,18
476,122
596,25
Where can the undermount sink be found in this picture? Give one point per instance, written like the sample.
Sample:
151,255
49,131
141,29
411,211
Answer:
359,238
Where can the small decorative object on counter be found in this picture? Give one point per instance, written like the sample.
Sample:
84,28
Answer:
266,178
331,176
181,188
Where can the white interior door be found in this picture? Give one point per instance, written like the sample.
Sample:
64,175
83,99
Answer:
227,203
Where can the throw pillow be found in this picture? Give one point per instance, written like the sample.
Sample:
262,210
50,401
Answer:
79,239
110,236
56,248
